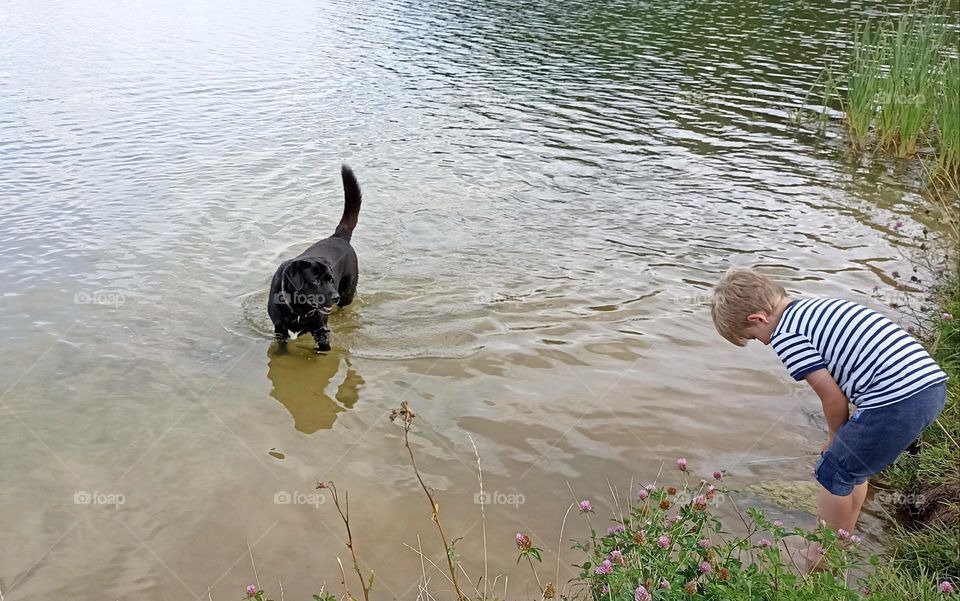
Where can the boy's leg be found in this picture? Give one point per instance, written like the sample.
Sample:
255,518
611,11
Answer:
860,495
842,512
836,511
839,512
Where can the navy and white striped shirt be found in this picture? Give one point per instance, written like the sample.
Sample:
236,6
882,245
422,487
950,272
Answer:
872,359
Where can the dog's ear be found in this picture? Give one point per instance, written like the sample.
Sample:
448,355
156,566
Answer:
294,273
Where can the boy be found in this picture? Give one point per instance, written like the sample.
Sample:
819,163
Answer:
848,354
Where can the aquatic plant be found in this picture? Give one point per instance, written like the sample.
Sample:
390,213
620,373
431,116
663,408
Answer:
914,48
896,78
947,125
860,105
899,90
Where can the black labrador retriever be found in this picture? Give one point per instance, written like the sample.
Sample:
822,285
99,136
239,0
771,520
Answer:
305,288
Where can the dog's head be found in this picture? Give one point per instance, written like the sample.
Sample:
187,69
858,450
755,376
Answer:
308,286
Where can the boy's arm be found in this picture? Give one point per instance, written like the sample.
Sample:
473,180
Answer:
835,403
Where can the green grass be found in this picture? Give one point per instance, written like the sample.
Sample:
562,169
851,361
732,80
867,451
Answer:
933,550
931,478
892,583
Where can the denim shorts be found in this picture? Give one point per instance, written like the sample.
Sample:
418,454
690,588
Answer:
872,439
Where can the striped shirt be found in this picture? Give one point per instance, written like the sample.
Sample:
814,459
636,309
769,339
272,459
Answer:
872,359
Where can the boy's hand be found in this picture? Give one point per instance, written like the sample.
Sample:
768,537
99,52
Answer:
827,444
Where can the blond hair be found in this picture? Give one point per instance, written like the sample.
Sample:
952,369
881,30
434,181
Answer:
739,294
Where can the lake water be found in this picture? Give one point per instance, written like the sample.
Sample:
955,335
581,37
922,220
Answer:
550,190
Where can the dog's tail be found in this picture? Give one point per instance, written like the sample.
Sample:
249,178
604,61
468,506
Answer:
351,204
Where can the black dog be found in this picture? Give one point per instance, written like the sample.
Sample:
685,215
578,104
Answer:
305,289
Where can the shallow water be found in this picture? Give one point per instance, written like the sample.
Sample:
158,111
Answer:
550,189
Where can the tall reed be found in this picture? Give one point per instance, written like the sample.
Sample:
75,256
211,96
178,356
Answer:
913,50
947,166
866,71
896,81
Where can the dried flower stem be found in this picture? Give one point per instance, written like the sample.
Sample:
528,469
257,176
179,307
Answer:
745,524
483,517
256,576
407,416
423,570
560,542
345,516
796,566
343,580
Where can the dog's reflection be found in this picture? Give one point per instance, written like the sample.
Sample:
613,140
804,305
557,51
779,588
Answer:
301,381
